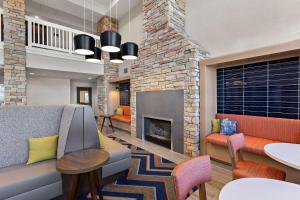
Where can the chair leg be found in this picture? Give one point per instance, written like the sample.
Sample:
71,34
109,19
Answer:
202,192
112,127
103,121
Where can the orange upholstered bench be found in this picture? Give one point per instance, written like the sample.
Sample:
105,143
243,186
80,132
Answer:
123,121
258,132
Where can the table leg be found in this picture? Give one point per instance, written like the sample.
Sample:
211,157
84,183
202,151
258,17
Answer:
112,127
74,187
92,185
103,121
98,185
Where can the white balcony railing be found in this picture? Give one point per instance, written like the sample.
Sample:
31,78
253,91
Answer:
47,35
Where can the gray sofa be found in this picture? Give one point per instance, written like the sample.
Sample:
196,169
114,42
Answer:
41,181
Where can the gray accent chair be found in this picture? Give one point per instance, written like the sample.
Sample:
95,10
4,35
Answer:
41,181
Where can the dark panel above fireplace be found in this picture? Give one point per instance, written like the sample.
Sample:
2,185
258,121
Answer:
167,104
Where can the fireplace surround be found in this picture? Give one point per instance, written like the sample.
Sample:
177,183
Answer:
161,111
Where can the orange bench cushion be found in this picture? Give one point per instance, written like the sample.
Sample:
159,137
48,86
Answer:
252,144
122,118
277,129
246,169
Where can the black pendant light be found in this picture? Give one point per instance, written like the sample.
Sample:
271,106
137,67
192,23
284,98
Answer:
116,57
130,51
110,41
96,57
84,44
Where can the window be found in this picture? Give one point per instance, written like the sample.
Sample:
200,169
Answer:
125,94
262,89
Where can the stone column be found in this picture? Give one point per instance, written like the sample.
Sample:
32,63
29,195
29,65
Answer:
110,71
169,61
14,52
106,23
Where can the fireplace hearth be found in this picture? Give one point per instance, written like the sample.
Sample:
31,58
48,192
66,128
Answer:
158,131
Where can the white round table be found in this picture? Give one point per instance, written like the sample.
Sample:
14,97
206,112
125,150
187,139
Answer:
288,154
259,189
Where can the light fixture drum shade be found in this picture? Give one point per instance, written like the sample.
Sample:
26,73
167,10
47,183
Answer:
130,51
96,57
116,57
110,41
84,44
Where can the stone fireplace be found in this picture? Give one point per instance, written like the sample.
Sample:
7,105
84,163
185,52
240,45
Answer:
160,118
168,61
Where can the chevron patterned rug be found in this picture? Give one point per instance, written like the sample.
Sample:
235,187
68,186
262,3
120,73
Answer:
149,178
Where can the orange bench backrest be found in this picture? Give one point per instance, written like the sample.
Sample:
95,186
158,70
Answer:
278,129
126,110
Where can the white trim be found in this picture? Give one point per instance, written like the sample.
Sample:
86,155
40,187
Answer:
56,54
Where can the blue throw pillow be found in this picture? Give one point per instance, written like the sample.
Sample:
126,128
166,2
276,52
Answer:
228,127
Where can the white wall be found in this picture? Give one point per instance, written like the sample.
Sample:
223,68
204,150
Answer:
229,26
93,85
52,91
113,98
37,58
48,91
136,32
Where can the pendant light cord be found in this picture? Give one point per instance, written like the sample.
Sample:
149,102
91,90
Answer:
117,16
83,15
110,14
92,16
129,2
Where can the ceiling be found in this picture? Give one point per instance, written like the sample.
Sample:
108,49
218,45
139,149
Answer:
71,12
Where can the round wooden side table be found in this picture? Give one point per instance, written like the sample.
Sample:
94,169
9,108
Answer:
81,162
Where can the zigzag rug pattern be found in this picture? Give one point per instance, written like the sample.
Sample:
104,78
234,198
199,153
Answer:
148,178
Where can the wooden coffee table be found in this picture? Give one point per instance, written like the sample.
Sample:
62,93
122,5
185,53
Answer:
84,162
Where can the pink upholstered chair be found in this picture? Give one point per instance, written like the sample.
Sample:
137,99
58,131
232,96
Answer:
187,175
245,168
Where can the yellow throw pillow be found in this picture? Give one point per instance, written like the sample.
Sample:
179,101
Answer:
101,140
44,148
215,126
120,111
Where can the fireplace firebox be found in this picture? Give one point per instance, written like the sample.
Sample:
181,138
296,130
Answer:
158,131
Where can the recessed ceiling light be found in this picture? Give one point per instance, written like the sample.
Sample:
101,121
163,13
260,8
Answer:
37,17
89,78
31,73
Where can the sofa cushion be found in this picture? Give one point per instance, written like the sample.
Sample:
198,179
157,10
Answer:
278,129
116,150
252,144
124,118
126,110
20,179
19,123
